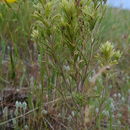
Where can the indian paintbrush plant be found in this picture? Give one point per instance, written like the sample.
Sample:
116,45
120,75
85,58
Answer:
66,33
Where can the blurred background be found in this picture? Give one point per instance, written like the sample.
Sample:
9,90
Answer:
120,3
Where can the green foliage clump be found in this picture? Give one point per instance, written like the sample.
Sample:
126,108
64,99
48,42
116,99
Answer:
66,31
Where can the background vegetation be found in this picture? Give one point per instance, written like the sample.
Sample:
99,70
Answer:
57,70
